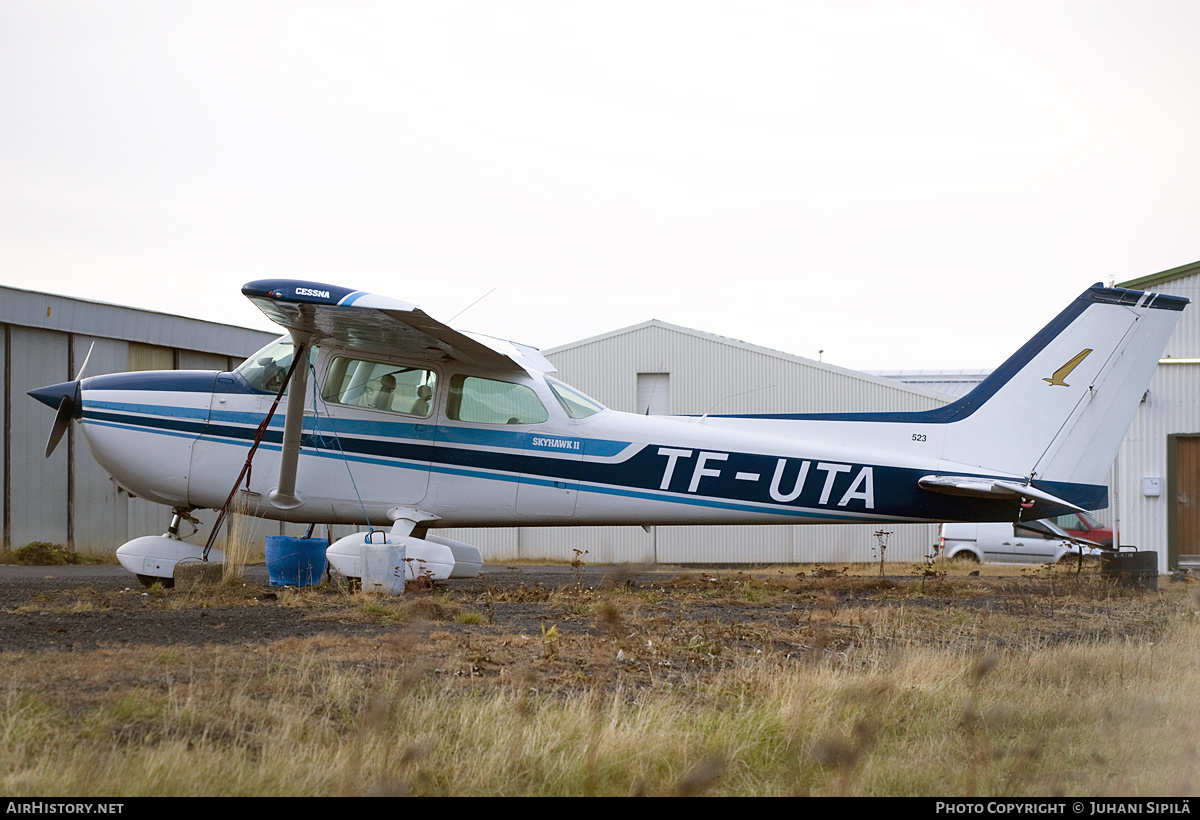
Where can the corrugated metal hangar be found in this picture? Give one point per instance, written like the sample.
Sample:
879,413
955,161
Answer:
68,498
656,367
1155,492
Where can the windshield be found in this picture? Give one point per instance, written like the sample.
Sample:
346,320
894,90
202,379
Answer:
267,368
578,405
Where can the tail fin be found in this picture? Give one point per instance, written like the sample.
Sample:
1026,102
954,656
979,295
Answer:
1058,409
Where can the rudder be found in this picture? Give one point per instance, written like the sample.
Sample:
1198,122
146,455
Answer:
1059,408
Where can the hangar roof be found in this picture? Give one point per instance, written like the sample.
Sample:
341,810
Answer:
714,373
29,308
956,383
1162,277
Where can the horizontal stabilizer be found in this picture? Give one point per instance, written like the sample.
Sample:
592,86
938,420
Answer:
980,487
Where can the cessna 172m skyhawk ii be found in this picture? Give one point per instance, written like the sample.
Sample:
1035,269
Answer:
395,419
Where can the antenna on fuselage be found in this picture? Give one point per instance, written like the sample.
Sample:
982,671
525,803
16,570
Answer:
473,304
732,395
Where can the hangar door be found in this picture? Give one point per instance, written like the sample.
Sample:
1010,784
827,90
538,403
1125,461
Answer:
1183,493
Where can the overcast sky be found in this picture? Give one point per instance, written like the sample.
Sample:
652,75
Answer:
900,184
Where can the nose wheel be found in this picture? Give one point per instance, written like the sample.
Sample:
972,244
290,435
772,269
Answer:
153,558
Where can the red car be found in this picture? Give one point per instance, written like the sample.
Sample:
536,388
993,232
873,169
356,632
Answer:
1082,525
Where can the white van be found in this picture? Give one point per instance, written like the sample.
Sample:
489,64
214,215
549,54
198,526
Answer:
1030,542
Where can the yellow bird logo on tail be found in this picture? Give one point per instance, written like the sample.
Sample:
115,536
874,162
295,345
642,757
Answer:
1066,369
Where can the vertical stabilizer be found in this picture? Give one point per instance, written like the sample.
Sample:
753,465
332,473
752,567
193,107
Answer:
1058,409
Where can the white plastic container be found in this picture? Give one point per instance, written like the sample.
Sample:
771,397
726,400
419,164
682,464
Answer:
382,566
417,558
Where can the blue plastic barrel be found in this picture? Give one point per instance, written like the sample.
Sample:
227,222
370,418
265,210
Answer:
297,562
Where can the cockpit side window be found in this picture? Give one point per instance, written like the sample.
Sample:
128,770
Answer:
486,401
267,368
395,388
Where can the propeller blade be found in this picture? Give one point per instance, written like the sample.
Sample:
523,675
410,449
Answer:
86,359
62,420
67,398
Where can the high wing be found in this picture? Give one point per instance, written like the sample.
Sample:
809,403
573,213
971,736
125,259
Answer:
365,322
369,323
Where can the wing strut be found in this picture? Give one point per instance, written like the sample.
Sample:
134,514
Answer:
298,352
284,495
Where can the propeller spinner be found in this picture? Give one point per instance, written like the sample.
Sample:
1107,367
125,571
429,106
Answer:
67,399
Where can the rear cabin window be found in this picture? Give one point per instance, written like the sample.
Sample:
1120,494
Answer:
485,401
381,386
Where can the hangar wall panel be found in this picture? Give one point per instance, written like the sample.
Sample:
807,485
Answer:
5,433
1185,341
726,545
596,545
38,495
150,357
857,542
195,360
101,508
69,495
1172,406
602,545
496,543
787,544
709,373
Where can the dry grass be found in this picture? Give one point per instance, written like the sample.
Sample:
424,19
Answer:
241,543
1069,687
43,554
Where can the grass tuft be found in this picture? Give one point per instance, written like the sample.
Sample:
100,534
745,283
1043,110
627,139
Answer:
45,554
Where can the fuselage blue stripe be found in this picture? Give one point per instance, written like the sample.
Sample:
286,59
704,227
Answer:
634,477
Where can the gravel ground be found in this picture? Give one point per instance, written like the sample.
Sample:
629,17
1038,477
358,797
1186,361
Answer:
83,607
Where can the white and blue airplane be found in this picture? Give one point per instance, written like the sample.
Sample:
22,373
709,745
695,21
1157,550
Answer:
395,420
